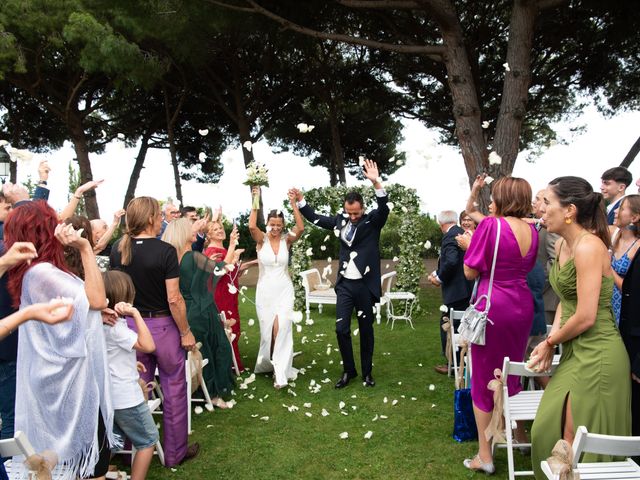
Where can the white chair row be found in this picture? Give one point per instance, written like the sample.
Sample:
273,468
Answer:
321,293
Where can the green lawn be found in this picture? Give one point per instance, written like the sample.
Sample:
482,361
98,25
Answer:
414,441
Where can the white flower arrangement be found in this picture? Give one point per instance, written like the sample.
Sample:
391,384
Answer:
257,176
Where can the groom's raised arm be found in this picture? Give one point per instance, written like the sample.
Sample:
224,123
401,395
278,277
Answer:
307,212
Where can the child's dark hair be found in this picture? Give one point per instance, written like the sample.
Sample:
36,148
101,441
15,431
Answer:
118,287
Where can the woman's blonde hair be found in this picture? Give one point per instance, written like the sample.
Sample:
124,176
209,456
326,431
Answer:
139,211
210,225
178,233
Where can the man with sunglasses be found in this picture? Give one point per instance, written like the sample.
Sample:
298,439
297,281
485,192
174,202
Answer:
358,283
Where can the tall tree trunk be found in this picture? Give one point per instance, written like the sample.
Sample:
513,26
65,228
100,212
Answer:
631,155
513,106
137,169
336,144
172,117
80,144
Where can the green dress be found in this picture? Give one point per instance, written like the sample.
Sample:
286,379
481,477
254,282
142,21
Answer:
594,372
197,284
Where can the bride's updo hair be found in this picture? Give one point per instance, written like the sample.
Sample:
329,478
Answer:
591,212
275,214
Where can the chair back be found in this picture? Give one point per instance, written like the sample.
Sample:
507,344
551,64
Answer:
386,281
604,445
18,445
310,279
518,369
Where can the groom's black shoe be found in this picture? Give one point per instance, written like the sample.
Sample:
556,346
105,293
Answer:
369,381
345,379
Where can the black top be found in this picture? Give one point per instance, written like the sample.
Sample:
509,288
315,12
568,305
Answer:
153,261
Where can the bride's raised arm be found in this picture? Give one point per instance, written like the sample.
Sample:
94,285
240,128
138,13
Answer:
297,230
256,233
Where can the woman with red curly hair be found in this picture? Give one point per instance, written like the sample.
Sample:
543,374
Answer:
63,400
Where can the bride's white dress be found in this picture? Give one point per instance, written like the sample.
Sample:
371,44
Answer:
274,298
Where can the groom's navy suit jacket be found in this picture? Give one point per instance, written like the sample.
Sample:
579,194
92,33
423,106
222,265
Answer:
365,241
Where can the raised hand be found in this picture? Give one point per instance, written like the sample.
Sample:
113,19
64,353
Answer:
109,316
118,215
234,236
125,309
216,214
370,170
19,252
297,194
87,186
69,237
479,182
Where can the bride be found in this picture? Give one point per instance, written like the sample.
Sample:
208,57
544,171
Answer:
274,293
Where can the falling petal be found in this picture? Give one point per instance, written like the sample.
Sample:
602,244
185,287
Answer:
444,309
353,254
485,124
395,259
309,252
355,332
494,159
427,244
361,160
390,205
488,179
404,209
506,67
248,145
360,312
202,157
323,247
420,95
302,127
121,136
203,132
367,270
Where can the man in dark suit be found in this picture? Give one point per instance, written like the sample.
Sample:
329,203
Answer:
358,283
456,289
630,331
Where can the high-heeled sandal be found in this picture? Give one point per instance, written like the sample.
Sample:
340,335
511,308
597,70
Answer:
487,467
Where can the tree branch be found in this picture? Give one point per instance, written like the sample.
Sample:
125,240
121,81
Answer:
288,25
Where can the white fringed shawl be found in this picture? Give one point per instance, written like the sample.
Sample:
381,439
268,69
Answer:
62,376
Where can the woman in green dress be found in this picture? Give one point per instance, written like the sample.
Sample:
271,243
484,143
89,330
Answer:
198,278
591,385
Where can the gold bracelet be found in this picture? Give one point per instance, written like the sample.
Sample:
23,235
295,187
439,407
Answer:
6,328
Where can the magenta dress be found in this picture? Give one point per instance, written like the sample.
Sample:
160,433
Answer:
511,305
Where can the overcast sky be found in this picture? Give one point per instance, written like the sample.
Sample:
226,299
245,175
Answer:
435,171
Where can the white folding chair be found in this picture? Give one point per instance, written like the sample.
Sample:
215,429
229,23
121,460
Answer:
455,341
586,442
315,291
20,446
407,299
207,399
223,319
519,408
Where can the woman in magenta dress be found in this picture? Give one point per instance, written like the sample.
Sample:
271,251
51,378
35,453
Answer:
227,289
511,302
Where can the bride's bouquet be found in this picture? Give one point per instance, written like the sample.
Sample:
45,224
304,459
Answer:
257,176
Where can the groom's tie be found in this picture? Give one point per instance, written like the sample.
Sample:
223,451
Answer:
350,231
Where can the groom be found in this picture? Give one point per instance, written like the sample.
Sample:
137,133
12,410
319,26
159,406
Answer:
358,283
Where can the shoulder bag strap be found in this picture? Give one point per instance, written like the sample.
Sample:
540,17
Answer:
493,264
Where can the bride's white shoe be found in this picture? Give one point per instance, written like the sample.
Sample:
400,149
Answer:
487,467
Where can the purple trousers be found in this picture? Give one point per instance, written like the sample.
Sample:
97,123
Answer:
169,357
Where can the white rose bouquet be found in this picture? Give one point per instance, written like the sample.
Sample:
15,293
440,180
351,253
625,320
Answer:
257,176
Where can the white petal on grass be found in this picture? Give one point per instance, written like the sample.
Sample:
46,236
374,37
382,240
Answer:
251,322
383,417
344,435
368,435
385,400
308,414
394,403
432,387
198,410
203,131
298,328
341,405
296,316
375,419
324,412
265,418
414,398
247,145
494,159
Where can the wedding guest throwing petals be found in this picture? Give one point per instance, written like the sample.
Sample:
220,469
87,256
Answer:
591,385
358,283
511,303
274,292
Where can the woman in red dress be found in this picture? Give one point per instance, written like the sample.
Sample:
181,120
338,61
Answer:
227,289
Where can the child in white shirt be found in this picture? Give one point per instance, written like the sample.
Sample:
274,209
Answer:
132,418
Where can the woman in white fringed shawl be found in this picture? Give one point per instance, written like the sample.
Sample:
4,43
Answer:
63,400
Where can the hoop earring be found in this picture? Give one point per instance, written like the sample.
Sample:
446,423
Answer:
568,220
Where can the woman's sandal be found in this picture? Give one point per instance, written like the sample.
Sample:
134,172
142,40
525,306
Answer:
487,468
219,403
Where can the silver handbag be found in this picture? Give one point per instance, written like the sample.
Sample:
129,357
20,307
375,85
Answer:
473,323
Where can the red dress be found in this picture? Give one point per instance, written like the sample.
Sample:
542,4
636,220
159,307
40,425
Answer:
226,301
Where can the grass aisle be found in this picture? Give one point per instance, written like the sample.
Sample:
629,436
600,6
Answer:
413,441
